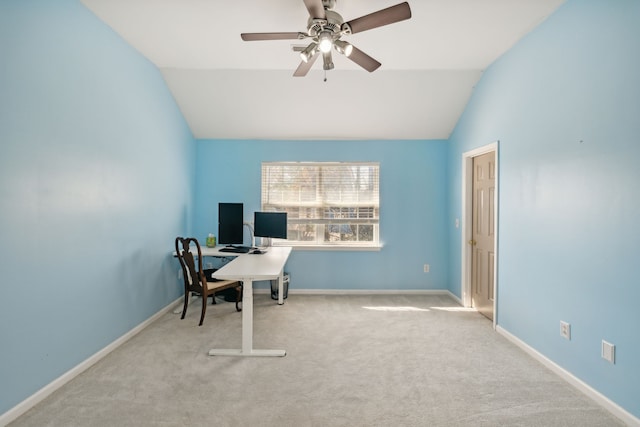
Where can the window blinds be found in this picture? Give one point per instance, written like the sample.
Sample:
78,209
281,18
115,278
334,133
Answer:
322,193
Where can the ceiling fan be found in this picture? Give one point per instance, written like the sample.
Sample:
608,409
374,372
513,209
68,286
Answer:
325,28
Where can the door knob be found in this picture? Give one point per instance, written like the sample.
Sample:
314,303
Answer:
472,242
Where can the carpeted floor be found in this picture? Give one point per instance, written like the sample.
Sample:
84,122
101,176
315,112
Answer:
366,360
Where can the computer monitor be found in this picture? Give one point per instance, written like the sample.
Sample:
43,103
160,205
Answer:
270,224
230,223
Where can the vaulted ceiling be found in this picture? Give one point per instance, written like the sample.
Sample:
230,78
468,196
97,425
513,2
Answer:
231,89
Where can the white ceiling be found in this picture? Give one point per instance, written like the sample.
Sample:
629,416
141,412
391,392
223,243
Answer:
231,89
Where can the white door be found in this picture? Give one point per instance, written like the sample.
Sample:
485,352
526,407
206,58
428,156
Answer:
483,233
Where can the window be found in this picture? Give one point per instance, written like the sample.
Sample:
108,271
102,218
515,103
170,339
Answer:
327,204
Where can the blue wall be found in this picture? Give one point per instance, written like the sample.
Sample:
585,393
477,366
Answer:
96,177
95,183
565,105
413,207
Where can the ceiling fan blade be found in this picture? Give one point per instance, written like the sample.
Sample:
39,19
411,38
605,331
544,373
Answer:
315,8
392,14
364,60
304,67
249,37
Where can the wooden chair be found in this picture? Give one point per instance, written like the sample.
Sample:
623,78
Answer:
195,281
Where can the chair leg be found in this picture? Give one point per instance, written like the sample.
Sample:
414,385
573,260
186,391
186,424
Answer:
204,308
187,294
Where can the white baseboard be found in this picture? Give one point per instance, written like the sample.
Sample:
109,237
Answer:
369,292
373,292
598,397
45,391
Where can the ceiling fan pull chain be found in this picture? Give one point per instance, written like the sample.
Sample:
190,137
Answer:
325,76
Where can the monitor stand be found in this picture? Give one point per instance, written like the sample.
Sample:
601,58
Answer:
265,244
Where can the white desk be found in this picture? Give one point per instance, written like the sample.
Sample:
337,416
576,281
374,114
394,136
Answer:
248,268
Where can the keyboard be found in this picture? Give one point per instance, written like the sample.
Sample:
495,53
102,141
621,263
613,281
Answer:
236,249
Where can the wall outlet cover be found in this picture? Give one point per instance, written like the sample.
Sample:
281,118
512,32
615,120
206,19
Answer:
565,330
608,352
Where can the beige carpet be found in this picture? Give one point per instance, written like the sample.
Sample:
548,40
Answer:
351,361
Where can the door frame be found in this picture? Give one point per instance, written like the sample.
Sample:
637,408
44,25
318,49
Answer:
467,215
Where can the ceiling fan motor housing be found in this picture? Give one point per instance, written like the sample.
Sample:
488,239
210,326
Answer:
332,23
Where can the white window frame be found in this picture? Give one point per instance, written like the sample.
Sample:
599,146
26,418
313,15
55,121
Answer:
269,202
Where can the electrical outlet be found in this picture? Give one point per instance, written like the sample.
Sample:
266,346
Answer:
426,268
565,330
608,352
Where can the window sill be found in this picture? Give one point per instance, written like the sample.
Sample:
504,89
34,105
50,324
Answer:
338,248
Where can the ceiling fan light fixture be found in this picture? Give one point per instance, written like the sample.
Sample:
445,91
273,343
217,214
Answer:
309,51
343,47
325,41
327,61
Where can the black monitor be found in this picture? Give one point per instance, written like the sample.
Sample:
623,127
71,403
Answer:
230,223
270,224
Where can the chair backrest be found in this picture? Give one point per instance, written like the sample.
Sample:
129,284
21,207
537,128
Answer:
194,279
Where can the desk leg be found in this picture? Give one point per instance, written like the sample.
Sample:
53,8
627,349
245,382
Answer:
247,329
247,316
